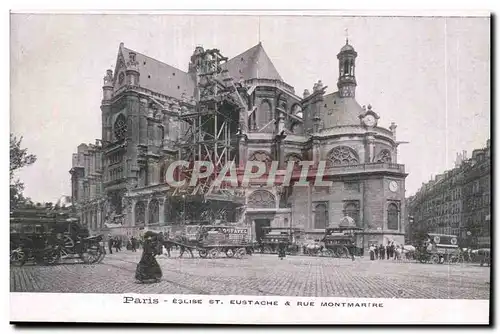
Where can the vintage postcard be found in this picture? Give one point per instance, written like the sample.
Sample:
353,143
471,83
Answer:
250,168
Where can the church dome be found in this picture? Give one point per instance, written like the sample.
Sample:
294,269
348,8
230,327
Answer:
339,111
347,47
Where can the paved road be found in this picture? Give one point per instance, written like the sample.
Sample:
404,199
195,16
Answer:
262,275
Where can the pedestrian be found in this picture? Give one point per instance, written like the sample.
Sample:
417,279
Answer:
372,252
110,244
133,244
281,250
161,240
388,251
115,243
393,250
375,249
148,270
382,251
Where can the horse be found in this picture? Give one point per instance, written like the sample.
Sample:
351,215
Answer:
313,248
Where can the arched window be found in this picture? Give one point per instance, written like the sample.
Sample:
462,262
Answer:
140,214
153,212
265,115
392,217
261,199
351,209
343,155
384,156
320,216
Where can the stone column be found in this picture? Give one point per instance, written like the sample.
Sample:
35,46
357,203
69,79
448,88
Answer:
132,213
242,149
370,148
143,122
280,150
161,211
316,150
243,120
146,212
309,207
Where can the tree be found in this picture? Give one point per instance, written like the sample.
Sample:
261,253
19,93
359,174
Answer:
19,158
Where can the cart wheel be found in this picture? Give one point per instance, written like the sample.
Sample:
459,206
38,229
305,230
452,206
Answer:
240,253
17,257
202,253
230,253
435,259
328,253
213,253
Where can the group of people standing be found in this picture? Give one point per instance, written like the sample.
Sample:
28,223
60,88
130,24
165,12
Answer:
381,252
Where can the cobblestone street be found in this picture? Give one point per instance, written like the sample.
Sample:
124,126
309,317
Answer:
262,275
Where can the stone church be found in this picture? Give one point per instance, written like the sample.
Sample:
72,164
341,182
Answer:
118,183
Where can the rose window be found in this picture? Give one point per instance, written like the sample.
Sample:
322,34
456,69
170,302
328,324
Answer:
120,127
343,155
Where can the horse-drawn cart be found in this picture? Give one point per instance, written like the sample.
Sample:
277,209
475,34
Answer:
273,237
213,241
341,241
439,248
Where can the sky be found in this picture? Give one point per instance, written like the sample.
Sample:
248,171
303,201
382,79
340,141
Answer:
429,75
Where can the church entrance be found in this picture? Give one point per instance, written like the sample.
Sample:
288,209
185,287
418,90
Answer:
259,224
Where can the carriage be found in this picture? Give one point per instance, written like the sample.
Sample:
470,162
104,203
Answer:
439,248
274,236
47,238
341,241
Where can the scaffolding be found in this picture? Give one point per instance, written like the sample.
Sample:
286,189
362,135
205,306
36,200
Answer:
209,134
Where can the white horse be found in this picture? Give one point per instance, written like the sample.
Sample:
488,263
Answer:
313,247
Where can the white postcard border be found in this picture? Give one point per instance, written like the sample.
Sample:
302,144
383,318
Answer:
112,308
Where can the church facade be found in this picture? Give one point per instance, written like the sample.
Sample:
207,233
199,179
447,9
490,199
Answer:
118,183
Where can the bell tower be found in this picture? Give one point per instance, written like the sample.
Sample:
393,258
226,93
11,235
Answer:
347,64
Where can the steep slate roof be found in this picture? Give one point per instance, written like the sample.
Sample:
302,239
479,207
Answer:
338,111
168,80
251,64
160,77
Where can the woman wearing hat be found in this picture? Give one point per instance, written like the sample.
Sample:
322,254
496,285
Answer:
148,269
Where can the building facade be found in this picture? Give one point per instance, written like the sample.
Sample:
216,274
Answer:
457,202
120,181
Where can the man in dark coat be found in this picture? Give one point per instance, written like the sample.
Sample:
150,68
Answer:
133,244
110,244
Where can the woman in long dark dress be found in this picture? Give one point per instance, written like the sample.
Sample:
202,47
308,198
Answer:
148,269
